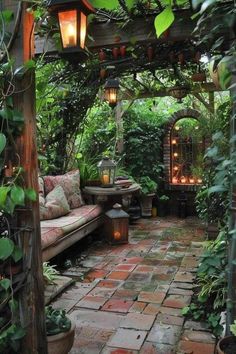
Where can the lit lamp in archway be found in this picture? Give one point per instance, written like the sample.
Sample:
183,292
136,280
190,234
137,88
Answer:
111,91
72,19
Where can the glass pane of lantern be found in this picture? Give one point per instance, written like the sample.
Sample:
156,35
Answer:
105,176
120,230
83,29
112,96
68,27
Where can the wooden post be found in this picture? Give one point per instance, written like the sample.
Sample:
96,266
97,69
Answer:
231,294
32,295
119,128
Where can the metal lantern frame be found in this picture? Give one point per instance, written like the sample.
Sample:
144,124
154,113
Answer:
77,23
111,91
107,170
117,225
178,92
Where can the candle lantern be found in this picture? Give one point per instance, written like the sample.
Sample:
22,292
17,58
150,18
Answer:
117,225
72,19
107,169
111,91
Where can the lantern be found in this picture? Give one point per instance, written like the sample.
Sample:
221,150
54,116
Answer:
72,18
111,91
117,225
178,92
107,172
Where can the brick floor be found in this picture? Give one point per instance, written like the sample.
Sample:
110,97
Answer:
131,298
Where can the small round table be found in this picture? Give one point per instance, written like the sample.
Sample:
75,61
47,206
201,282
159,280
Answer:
108,196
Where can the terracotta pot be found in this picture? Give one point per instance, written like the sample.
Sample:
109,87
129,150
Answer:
61,343
199,77
224,341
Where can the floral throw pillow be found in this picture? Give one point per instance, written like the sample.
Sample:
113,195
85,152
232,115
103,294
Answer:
70,182
55,204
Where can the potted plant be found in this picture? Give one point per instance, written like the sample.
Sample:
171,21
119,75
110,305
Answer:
60,331
227,345
148,189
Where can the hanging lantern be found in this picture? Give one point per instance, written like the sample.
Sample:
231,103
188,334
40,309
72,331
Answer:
107,169
117,225
111,91
178,92
72,18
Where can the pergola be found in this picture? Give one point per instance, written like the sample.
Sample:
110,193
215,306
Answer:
175,45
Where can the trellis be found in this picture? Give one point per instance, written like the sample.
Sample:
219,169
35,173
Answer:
179,35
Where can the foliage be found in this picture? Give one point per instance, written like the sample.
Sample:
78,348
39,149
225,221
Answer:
56,321
163,198
211,279
49,273
233,328
148,186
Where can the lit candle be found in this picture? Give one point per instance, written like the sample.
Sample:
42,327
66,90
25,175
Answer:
105,179
174,141
191,180
175,154
117,235
199,180
176,168
71,36
177,127
183,179
174,180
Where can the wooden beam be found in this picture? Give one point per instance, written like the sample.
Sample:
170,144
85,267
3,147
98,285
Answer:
197,88
140,31
32,295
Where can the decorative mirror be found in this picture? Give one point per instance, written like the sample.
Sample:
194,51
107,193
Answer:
186,152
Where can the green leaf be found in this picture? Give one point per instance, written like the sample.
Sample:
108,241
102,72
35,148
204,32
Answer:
5,283
164,20
104,4
217,189
7,15
17,195
29,64
31,194
3,142
185,310
17,254
130,3
6,248
3,195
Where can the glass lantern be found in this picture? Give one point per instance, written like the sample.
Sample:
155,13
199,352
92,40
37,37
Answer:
107,170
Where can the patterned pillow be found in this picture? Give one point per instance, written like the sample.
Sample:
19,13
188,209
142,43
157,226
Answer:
55,204
70,182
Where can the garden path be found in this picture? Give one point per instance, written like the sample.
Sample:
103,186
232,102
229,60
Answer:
130,296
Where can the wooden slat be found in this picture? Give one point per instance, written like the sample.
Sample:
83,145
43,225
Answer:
140,31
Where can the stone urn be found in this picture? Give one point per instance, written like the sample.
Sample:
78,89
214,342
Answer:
146,204
61,343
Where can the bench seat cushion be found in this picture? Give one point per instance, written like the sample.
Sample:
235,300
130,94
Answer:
53,230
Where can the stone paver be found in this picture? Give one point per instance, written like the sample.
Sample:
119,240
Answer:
177,301
155,298
195,348
127,338
138,321
164,334
131,297
116,305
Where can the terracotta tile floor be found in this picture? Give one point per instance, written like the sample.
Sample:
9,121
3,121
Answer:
131,296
